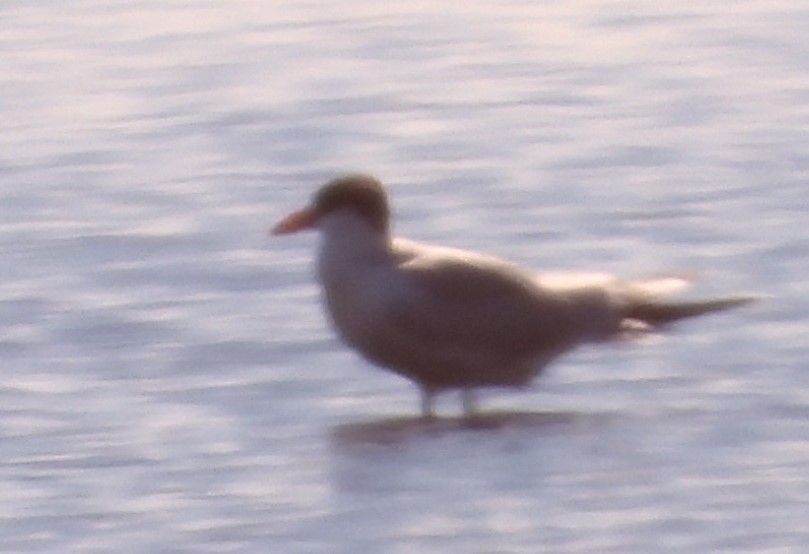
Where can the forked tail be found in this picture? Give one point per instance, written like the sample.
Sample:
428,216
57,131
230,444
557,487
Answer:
657,313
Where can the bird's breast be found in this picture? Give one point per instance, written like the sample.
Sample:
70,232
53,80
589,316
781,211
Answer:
354,295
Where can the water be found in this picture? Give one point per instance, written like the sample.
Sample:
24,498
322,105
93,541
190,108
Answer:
170,383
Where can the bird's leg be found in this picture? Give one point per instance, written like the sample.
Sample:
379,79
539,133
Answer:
469,401
427,396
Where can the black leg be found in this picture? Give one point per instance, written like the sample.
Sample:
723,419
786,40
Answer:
469,401
427,403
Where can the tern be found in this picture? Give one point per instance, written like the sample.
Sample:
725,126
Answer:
448,319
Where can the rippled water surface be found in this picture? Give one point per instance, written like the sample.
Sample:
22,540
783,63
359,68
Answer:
170,384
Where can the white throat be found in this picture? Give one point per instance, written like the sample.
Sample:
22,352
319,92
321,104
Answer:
348,243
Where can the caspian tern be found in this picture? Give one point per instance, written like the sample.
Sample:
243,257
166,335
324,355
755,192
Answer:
453,319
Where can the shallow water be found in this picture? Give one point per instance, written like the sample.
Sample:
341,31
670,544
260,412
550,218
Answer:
170,383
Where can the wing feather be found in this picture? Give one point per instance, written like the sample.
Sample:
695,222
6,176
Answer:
478,303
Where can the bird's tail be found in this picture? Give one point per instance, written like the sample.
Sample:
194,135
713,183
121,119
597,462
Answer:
657,313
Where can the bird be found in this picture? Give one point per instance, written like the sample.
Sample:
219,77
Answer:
452,319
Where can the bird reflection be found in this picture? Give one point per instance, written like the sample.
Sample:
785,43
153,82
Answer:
400,430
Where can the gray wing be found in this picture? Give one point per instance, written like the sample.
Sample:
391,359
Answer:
464,301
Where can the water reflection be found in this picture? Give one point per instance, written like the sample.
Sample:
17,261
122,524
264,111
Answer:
401,430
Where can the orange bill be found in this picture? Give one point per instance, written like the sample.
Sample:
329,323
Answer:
294,222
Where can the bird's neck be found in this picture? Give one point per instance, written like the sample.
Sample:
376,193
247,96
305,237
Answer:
348,241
